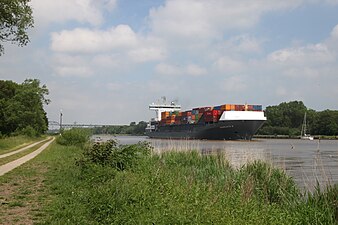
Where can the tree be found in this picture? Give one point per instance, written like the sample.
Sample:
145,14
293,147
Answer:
22,107
326,123
285,118
15,18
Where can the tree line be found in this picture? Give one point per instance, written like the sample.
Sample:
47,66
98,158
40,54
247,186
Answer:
21,108
287,118
132,129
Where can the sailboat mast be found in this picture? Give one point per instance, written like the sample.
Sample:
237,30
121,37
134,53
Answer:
303,131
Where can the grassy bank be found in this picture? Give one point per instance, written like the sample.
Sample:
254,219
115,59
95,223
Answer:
111,184
21,153
176,188
9,144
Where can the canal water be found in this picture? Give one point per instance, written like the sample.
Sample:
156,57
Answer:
306,161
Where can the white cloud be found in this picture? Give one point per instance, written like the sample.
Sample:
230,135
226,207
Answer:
76,71
167,69
60,11
199,19
81,40
226,64
195,70
175,70
117,47
234,84
308,55
242,44
144,54
114,86
107,61
66,65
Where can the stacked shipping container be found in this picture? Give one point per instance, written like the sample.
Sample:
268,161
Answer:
203,114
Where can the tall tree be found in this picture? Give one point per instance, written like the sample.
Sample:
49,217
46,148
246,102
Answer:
15,18
22,107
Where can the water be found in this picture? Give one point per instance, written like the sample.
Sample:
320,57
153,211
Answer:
306,161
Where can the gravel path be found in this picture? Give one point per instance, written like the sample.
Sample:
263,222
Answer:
12,165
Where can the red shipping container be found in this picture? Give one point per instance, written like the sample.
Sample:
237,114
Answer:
215,112
208,113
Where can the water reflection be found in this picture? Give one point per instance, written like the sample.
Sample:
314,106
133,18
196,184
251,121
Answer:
306,161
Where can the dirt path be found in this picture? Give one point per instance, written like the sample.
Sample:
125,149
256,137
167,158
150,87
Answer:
12,165
21,149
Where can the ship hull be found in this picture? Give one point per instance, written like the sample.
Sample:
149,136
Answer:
222,130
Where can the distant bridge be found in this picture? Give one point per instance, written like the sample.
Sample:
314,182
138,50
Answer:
54,126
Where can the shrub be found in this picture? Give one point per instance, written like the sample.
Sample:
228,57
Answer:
75,136
28,131
117,156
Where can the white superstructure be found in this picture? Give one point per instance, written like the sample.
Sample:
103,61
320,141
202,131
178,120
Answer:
159,108
242,115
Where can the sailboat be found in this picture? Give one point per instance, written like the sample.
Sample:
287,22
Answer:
303,134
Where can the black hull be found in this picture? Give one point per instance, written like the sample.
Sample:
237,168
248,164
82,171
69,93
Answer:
223,130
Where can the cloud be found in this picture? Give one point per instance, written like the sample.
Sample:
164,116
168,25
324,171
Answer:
176,70
167,69
307,55
234,84
84,40
243,44
227,64
195,70
61,11
116,47
66,65
199,19
144,54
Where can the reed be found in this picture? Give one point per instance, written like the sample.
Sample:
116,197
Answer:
178,187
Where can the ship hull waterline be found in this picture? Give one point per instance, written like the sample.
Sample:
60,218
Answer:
222,130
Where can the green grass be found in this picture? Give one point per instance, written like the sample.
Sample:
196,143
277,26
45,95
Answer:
172,188
21,154
179,188
9,144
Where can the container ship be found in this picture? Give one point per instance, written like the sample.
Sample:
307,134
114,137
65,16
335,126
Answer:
222,122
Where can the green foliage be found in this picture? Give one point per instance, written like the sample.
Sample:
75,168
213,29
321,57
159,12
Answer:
28,131
75,136
326,123
15,19
287,118
179,188
133,129
21,108
120,157
270,184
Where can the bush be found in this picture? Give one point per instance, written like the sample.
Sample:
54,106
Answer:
28,131
117,156
75,136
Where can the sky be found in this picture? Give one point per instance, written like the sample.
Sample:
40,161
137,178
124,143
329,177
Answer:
105,61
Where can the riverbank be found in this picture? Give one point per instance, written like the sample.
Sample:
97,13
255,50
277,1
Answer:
67,185
317,137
